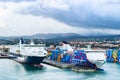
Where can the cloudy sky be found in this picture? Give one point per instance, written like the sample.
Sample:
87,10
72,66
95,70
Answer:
27,17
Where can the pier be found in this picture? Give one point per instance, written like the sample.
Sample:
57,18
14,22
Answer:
5,56
78,69
56,64
67,66
4,52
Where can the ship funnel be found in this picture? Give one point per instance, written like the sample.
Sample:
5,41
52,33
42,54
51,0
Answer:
32,42
64,42
88,47
21,41
66,46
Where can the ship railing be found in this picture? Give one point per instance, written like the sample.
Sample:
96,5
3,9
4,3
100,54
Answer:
40,45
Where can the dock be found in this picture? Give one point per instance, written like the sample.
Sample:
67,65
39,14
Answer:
66,66
82,69
57,64
5,56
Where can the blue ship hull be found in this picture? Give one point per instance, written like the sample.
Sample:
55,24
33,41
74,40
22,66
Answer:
27,59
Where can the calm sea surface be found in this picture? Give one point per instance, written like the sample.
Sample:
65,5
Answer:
11,70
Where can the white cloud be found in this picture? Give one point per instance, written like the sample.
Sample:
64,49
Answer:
102,31
28,24
14,23
57,4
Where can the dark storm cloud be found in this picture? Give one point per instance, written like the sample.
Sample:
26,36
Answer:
80,13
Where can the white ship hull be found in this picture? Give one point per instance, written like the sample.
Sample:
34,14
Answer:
97,58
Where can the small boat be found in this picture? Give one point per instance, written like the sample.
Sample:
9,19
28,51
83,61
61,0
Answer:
28,53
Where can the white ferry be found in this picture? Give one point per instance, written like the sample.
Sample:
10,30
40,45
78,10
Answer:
28,53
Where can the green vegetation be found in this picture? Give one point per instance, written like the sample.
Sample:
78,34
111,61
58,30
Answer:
15,40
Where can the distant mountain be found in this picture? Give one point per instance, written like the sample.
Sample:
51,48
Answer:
52,35
63,36
87,38
57,37
44,36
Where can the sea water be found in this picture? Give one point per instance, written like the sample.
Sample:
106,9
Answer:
12,70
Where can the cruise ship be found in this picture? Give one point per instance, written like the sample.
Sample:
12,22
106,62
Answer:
28,53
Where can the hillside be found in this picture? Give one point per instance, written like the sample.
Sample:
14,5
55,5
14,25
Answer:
57,37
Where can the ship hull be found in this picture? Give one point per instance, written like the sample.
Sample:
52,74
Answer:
27,59
97,64
97,59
